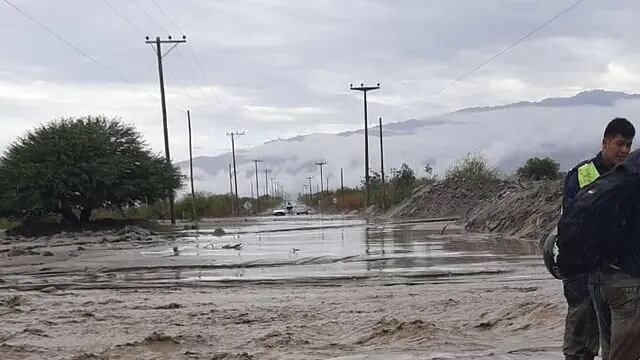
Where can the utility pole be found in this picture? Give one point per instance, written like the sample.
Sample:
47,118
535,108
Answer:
364,89
304,190
193,191
235,174
255,161
231,190
266,182
159,54
310,189
341,180
382,165
321,163
273,189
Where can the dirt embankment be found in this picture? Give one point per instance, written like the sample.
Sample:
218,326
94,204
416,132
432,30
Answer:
447,198
524,209
528,210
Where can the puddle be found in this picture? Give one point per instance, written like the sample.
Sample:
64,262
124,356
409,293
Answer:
296,249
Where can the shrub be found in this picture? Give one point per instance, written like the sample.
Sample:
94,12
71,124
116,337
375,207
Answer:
472,168
538,169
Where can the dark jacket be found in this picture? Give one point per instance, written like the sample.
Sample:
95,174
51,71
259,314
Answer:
628,252
571,184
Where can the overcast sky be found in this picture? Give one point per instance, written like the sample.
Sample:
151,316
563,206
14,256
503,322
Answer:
283,68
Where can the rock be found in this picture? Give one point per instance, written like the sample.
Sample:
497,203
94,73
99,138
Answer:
12,301
170,306
219,232
35,331
47,253
80,248
18,251
49,290
234,246
131,233
156,337
231,356
88,356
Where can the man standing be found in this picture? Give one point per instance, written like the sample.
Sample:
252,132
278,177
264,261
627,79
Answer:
583,328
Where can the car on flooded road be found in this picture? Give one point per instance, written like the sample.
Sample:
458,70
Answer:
279,212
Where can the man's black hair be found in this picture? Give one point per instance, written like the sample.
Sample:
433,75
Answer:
620,126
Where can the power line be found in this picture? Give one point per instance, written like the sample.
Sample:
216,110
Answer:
68,43
500,53
193,53
194,78
126,19
153,21
204,75
170,71
167,17
78,50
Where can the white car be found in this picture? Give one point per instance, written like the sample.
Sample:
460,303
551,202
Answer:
279,212
301,210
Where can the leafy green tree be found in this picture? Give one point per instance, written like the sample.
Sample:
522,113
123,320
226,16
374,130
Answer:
538,169
72,166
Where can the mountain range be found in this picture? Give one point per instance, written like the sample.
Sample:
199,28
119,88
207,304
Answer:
567,129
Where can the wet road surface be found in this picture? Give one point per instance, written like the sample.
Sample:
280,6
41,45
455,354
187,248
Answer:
300,287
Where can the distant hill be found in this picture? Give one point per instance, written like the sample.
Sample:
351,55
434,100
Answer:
567,129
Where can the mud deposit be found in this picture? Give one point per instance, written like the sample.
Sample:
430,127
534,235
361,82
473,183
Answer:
279,288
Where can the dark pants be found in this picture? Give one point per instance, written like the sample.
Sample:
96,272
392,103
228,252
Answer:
617,299
603,312
581,337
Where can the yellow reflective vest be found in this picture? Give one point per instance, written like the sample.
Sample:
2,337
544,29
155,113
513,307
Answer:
587,173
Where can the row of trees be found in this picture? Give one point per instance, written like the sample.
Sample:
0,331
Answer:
473,168
73,166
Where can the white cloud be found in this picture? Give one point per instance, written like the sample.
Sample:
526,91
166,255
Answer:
281,68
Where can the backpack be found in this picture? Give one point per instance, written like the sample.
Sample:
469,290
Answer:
595,226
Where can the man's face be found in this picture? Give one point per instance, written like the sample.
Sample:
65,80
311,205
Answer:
616,149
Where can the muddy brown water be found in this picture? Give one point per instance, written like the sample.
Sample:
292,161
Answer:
302,287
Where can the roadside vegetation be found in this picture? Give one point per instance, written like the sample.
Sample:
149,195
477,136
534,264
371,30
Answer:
75,171
539,169
472,171
69,168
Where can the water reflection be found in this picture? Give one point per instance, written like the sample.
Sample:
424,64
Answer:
316,249
338,249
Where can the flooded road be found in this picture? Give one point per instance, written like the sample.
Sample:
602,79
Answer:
300,287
